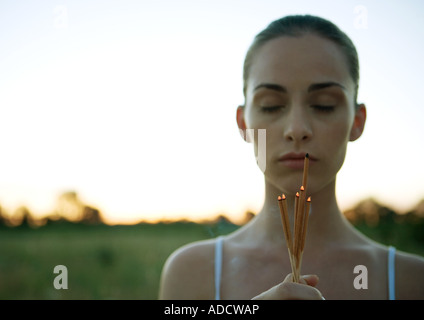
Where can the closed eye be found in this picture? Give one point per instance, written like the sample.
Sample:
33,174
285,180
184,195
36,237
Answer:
323,108
270,109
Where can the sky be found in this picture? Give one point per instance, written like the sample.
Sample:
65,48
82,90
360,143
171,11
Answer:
132,104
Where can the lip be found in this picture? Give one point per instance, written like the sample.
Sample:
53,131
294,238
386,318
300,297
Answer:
295,160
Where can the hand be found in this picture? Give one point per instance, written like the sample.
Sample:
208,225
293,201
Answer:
288,290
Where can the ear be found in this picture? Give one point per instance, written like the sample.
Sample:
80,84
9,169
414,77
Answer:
358,122
241,123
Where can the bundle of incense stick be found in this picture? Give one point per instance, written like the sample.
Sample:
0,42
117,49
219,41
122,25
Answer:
296,243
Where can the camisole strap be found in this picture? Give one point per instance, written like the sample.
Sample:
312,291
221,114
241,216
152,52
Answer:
218,267
391,272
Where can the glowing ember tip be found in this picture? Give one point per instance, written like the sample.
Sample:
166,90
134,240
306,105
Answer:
302,188
279,198
309,199
284,196
297,194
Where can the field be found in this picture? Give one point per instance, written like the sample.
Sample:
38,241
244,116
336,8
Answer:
103,262
106,262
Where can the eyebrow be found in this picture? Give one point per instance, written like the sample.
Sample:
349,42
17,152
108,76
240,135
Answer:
312,87
271,86
323,85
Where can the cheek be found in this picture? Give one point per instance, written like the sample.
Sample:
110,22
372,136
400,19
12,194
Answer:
335,141
341,129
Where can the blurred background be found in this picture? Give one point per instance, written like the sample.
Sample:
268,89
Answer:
118,117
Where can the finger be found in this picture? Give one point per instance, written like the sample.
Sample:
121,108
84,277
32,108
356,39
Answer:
310,279
288,278
288,290
297,291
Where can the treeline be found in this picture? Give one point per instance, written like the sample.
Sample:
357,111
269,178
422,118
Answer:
373,213
69,209
404,231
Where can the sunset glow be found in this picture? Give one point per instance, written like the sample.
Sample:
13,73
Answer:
132,105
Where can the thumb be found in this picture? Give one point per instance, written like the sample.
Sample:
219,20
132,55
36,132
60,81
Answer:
310,279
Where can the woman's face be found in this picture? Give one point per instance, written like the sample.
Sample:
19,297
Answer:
300,91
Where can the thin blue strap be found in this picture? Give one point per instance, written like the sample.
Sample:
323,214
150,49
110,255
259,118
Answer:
391,272
218,267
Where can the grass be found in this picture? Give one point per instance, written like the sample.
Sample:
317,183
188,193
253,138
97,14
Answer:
103,262
119,262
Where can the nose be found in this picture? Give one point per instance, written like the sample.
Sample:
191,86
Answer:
297,127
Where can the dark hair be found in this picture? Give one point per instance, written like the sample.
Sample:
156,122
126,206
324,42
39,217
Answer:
296,26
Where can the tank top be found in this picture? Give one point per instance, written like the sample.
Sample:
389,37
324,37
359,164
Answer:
218,269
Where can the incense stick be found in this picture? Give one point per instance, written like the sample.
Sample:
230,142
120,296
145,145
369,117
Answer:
305,171
304,229
301,215
297,233
286,225
285,221
305,222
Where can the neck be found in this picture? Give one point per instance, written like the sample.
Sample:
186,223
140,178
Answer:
326,222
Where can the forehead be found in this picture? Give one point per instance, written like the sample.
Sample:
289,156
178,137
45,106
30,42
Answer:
296,62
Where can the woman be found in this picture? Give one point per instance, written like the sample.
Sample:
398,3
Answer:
301,78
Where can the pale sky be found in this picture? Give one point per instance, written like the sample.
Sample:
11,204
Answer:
132,104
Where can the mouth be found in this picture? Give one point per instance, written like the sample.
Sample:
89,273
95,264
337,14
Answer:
295,160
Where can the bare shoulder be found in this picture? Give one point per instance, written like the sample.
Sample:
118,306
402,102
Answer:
188,272
409,276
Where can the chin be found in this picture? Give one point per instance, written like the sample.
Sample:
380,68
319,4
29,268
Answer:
287,185
290,183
